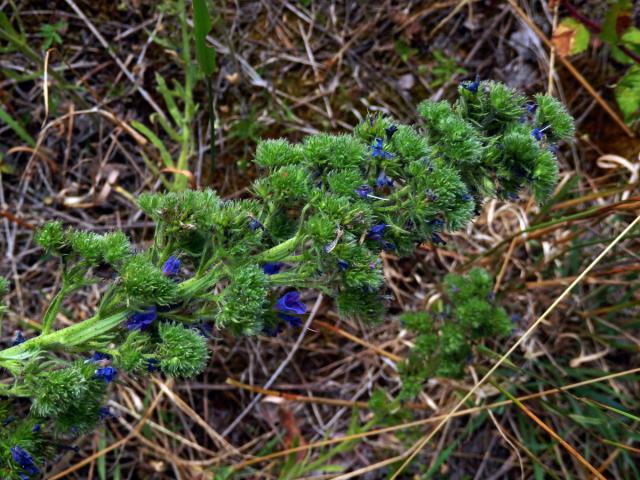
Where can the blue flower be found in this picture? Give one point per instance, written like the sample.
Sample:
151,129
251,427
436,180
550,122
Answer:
290,303
36,428
383,181
24,459
204,329
377,150
294,322
388,246
537,134
376,232
142,320
515,318
389,131
342,264
363,191
271,268
98,356
472,86
437,223
153,365
108,374
532,107
513,196
466,197
19,338
104,413
255,224
431,194
172,266
437,239
8,420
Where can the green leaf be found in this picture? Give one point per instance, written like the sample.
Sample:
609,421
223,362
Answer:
202,25
628,94
631,36
16,127
575,33
586,421
613,21
153,138
404,50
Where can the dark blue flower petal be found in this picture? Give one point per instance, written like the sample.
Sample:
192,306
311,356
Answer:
98,356
153,365
291,320
19,338
513,196
437,223
271,268
532,107
290,303
36,428
343,264
376,148
466,197
24,460
437,239
537,134
375,233
104,413
472,86
172,266
142,320
389,131
388,246
364,191
383,181
255,224
108,374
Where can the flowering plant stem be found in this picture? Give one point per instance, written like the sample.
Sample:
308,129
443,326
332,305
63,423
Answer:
318,218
